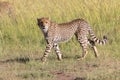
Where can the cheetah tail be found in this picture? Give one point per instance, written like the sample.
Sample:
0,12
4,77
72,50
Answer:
95,39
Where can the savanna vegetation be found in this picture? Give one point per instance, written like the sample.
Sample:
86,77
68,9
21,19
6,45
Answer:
22,43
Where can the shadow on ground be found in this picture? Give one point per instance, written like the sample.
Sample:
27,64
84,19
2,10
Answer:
23,60
27,59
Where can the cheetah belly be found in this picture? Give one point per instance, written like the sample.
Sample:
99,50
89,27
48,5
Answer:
63,35
58,39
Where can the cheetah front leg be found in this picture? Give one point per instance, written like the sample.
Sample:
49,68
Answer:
47,51
57,50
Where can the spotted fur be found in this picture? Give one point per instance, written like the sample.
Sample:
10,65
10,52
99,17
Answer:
55,33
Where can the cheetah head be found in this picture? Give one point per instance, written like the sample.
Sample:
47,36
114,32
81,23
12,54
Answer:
43,24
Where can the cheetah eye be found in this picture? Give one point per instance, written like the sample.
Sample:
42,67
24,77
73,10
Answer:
46,22
40,22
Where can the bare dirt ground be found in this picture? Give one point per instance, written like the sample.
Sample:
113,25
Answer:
20,69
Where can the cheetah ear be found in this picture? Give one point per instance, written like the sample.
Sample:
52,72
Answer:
49,18
38,19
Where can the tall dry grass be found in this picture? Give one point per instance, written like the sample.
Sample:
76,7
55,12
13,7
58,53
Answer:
22,31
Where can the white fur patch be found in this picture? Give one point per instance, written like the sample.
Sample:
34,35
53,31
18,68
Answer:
45,29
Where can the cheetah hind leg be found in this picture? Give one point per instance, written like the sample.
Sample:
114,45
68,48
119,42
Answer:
92,44
84,44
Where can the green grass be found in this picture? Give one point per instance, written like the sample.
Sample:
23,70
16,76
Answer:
22,43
